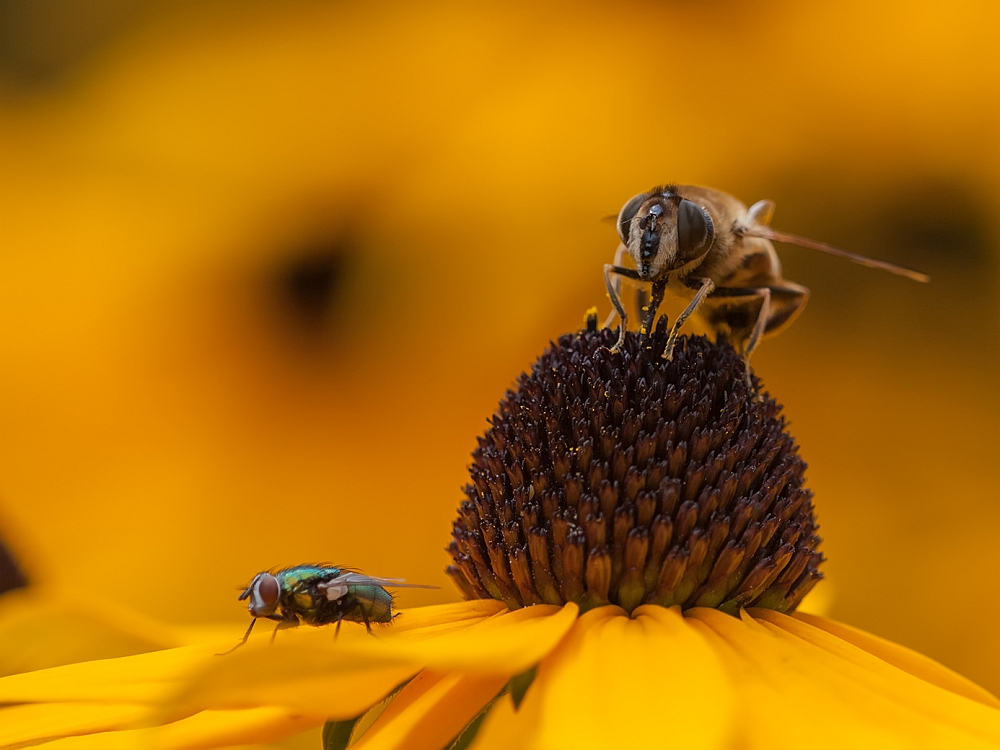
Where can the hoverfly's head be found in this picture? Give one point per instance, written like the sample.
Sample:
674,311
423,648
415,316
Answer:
263,593
663,231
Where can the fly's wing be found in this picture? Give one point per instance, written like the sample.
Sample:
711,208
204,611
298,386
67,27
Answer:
759,230
337,587
359,579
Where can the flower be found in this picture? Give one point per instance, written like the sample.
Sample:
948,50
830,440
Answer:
702,678
569,637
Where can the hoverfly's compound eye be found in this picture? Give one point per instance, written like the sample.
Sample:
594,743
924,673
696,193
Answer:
628,212
695,230
264,593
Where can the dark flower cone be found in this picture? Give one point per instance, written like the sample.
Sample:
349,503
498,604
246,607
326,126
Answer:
625,478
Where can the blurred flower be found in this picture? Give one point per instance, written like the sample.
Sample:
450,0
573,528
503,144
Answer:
657,655
213,224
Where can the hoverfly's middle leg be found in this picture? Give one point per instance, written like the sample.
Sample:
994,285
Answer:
756,333
707,285
744,315
615,301
759,325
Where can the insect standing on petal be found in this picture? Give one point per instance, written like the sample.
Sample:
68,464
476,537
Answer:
707,246
319,595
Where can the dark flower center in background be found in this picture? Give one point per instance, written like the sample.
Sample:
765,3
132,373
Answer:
627,479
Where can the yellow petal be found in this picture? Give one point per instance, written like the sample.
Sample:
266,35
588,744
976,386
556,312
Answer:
312,673
212,729
144,678
132,739
43,628
445,614
431,711
837,697
38,721
507,643
899,656
616,682
505,728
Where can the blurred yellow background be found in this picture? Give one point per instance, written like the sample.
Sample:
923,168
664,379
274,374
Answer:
265,272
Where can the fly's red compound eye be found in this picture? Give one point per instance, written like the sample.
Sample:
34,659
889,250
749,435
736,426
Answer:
268,590
264,595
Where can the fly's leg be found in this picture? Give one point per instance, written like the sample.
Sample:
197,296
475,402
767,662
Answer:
619,259
744,315
755,334
758,327
282,625
615,301
659,287
641,300
707,285
364,616
246,636
354,611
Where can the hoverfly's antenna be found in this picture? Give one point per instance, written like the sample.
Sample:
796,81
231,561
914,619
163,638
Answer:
767,233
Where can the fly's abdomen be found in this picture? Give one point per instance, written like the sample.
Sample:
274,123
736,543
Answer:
374,604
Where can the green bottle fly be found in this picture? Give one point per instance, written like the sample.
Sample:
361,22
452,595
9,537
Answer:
319,595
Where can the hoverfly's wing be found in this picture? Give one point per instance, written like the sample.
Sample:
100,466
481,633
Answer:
337,587
761,212
767,233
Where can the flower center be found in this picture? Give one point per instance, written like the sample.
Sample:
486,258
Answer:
623,478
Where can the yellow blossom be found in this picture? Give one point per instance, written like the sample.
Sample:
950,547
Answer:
703,679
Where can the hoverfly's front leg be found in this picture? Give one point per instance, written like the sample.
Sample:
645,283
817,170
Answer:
615,301
619,259
707,285
656,298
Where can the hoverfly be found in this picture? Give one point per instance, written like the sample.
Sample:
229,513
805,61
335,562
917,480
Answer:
703,242
319,595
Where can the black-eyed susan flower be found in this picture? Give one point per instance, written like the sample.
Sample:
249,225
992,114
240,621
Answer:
632,548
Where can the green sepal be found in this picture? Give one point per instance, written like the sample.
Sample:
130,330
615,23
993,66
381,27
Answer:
337,734
520,683
517,686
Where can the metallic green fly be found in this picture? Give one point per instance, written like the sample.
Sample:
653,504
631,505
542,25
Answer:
319,595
